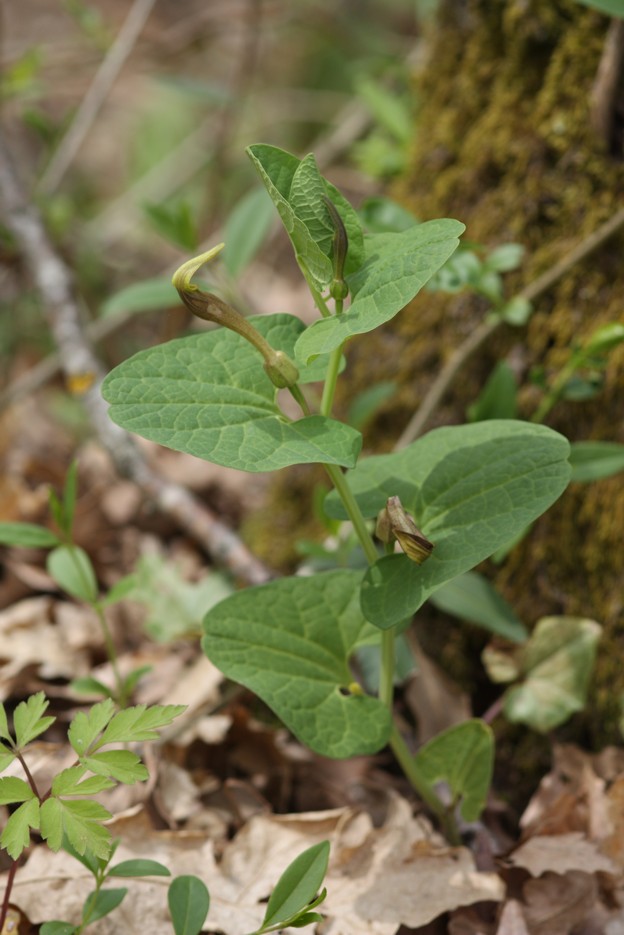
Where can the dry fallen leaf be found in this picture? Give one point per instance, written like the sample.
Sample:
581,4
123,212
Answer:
556,903
512,921
561,853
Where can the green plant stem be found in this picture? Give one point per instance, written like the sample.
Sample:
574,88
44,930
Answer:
353,511
297,395
553,394
410,767
319,301
329,388
31,781
111,652
386,680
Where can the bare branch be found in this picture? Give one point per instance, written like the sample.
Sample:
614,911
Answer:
84,373
91,103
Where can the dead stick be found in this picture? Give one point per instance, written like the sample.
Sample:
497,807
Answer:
486,329
82,369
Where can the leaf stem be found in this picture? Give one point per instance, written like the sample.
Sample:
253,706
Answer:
353,511
319,301
329,388
7,894
111,652
410,767
29,777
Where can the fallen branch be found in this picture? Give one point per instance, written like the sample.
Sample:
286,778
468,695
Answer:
84,373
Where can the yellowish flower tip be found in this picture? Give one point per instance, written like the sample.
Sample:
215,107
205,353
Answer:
181,279
355,688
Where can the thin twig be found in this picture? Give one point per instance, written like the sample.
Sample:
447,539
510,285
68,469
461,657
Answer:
96,95
604,93
486,329
84,374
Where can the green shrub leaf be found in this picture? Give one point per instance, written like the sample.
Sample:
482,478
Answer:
289,641
463,757
208,395
396,268
150,295
470,488
122,765
189,902
298,885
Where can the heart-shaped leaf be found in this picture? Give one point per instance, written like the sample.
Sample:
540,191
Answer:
556,663
289,641
462,756
208,395
470,488
396,267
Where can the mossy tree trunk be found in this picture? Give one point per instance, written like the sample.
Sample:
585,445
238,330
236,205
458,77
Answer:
505,143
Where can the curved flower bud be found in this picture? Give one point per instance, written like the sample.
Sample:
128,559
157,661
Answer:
280,369
338,289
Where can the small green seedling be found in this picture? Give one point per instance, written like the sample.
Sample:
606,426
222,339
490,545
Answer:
72,570
464,491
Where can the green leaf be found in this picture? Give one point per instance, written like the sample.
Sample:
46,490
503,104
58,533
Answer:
122,765
14,790
139,723
516,312
174,606
277,169
68,782
365,404
308,918
556,663
610,7
463,757
189,902
208,395
289,641
298,885
471,597
16,834
139,868
79,821
87,726
505,258
28,721
57,928
4,724
6,757
71,568
296,188
389,110
497,399
120,590
149,295
381,215
175,222
90,686
470,488
595,460
100,903
606,337
28,535
396,268
246,229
